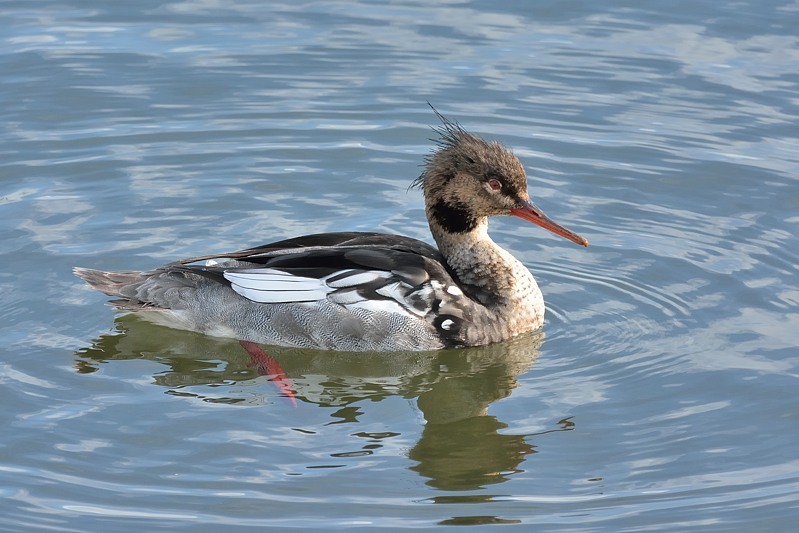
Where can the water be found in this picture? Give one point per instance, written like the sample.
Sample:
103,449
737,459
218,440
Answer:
661,393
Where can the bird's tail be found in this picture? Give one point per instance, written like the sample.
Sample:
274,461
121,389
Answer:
110,283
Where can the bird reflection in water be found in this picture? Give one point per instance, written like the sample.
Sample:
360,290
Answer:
461,446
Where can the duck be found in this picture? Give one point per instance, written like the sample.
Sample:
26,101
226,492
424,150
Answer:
367,291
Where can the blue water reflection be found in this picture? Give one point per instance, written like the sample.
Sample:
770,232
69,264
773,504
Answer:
661,394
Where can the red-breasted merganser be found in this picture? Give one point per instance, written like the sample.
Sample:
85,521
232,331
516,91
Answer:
367,291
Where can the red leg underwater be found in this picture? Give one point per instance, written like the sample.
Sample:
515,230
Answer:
269,366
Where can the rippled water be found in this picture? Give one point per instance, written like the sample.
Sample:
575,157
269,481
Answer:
661,393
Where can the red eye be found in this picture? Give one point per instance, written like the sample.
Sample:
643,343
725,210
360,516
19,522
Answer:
495,184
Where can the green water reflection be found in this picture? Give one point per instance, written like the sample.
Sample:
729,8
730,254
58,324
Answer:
461,446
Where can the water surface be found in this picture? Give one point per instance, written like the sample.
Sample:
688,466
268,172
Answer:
661,393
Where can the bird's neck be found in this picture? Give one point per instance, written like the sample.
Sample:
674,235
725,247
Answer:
486,272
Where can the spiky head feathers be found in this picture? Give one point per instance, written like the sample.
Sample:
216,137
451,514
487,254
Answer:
465,169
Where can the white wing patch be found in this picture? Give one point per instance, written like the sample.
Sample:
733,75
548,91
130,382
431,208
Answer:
269,286
454,291
352,278
398,292
353,289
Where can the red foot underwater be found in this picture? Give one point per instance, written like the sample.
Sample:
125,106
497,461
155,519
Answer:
269,366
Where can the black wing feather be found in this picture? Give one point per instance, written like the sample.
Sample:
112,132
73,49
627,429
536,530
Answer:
322,254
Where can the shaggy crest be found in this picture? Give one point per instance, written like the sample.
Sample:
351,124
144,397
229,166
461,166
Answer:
461,151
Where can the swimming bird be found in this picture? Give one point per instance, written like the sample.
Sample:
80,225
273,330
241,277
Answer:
357,291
